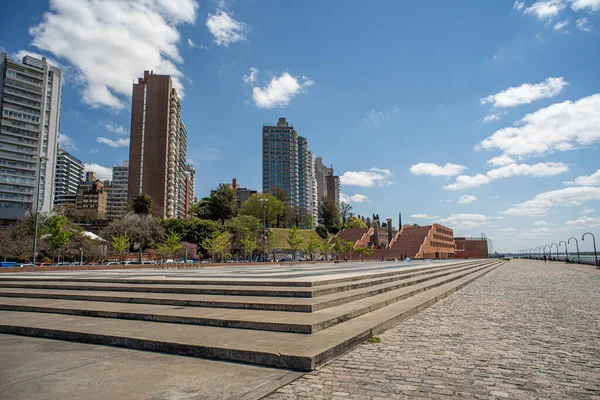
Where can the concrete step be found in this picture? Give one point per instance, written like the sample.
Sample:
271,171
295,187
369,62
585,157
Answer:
279,349
226,288
244,319
225,301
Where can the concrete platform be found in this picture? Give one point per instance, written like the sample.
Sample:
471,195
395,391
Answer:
312,319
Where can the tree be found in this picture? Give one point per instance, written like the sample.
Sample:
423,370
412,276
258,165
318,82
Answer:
282,196
325,248
172,243
347,247
200,209
295,216
368,222
329,215
269,243
59,235
345,212
143,229
142,204
322,231
342,246
311,246
191,249
248,244
294,240
192,230
264,204
353,222
120,244
360,251
222,203
216,244
243,227
16,240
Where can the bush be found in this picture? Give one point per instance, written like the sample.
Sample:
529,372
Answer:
321,231
334,230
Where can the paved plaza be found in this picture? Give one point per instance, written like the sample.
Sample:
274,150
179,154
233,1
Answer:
527,330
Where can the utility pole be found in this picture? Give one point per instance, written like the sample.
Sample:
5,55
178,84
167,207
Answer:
37,205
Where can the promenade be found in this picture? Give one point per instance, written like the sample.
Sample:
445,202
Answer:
527,330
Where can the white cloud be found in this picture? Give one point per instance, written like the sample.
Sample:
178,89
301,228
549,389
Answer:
375,116
22,53
540,223
446,201
583,25
585,5
433,169
501,161
560,26
534,233
65,142
120,142
102,173
466,199
588,211
585,222
355,198
527,93
280,91
114,128
109,43
225,29
519,5
543,202
191,43
584,180
252,76
545,9
467,221
92,151
507,230
490,117
559,127
425,216
371,177
536,170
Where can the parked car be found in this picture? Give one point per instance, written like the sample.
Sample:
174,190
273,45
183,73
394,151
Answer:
8,264
113,263
27,265
148,262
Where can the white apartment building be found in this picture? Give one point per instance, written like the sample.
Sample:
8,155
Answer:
69,173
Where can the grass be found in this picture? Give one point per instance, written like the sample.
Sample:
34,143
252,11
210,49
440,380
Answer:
373,339
281,236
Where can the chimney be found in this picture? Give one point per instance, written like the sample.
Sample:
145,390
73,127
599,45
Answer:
399,221
390,230
282,122
376,233
234,184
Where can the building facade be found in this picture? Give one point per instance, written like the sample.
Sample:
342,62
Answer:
280,161
333,188
91,195
68,175
117,191
475,247
30,103
241,194
158,146
190,187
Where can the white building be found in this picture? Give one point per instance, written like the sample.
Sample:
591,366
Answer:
116,202
30,99
69,172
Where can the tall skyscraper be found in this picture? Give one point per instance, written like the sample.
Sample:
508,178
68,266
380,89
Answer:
333,188
116,201
321,178
280,160
304,175
69,173
30,101
190,187
158,145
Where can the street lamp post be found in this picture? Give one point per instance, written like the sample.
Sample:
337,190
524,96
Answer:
577,245
595,253
264,203
566,250
37,205
557,255
550,253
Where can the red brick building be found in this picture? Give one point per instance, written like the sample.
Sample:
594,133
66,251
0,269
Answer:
471,247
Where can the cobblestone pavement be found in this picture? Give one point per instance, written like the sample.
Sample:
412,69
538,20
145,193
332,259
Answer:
527,330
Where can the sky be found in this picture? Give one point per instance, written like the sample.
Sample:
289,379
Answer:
483,116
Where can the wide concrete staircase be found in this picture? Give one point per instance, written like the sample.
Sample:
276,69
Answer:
297,325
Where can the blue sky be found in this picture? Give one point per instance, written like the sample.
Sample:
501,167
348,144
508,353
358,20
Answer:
481,115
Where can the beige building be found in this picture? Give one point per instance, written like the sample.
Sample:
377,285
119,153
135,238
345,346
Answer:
91,195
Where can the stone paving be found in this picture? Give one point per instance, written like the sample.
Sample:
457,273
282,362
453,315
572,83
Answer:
527,330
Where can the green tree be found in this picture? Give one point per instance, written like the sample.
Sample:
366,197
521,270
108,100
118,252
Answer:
345,212
240,228
354,222
192,230
120,244
294,240
360,251
143,229
200,209
282,196
59,235
329,215
347,247
141,204
216,244
172,243
325,248
322,231
265,203
311,246
222,204
248,244
269,243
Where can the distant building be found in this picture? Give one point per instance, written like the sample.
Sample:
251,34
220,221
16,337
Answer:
158,146
190,187
333,188
471,247
241,194
30,102
117,191
91,195
68,175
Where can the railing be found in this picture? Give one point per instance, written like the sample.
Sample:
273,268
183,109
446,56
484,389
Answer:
583,259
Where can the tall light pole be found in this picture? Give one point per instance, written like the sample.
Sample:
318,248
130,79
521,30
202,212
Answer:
576,244
595,253
263,201
557,256
37,205
566,250
550,253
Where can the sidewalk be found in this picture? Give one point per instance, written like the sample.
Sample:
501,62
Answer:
527,330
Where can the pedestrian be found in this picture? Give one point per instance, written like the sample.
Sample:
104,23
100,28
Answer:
544,258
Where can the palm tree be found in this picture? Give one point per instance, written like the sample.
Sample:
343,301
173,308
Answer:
141,204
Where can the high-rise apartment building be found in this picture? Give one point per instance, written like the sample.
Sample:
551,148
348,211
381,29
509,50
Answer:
280,160
305,177
190,187
241,194
68,175
91,195
116,201
30,101
158,145
333,188
321,178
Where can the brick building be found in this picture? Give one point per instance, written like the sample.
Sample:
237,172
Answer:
471,247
